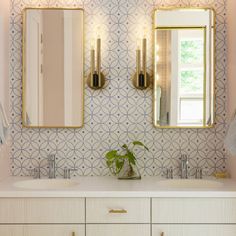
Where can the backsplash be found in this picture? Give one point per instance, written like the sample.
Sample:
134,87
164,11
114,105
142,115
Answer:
119,113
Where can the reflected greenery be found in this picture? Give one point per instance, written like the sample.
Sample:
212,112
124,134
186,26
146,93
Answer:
191,81
191,51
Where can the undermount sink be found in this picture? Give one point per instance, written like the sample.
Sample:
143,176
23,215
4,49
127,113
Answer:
189,183
46,184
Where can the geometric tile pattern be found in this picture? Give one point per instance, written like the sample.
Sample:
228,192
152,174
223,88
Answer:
119,113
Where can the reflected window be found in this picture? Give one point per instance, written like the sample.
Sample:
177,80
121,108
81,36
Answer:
191,78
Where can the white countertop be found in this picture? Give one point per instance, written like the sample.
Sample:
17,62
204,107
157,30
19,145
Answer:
112,187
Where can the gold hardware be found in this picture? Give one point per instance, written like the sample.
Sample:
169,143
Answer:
162,233
73,233
121,211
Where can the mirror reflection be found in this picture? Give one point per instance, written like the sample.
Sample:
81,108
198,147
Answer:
184,68
53,68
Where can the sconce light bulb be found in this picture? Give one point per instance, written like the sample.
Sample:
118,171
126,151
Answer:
157,48
138,44
157,77
157,58
145,32
92,44
98,32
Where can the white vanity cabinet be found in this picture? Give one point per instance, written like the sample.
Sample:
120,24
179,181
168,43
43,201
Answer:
118,230
42,230
118,210
134,216
193,230
42,217
42,211
11,230
118,216
54,230
193,216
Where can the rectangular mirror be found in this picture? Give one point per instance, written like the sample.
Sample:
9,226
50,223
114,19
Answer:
53,71
184,68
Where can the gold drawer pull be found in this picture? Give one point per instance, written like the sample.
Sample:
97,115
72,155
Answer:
121,211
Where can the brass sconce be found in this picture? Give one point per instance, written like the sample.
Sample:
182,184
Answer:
96,79
141,79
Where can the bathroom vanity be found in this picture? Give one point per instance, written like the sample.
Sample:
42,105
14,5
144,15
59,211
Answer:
106,206
53,97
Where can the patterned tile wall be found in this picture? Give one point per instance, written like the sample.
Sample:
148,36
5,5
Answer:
119,113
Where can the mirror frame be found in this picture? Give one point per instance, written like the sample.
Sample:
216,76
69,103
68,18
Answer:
214,64
24,67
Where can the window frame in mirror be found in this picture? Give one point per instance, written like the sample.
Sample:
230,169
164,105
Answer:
204,126
23,115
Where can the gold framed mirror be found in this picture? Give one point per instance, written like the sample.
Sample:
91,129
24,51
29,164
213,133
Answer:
53,67
184,54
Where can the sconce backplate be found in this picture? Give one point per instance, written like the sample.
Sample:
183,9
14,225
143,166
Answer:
136,85
102,78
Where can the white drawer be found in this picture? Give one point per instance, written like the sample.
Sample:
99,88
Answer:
11,230
118,230
194,210
55,210
42,230
42,210
54,230
12,210
193,230
118,210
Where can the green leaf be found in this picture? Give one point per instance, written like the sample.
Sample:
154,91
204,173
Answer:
140,144
109,163
111,155
131,158
125,147
119,165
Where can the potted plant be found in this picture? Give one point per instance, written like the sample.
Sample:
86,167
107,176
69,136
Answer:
123,163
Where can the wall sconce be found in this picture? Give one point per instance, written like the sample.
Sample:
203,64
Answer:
96,79
141,79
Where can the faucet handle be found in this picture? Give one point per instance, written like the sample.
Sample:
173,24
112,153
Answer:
169,173
35,173
51,157
184,157
198,174
67,172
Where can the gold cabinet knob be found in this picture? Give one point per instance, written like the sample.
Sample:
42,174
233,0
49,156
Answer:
118,211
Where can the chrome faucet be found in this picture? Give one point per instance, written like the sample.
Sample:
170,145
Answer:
184,166
52,166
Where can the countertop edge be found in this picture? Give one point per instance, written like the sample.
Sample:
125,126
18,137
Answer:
123,194
105,187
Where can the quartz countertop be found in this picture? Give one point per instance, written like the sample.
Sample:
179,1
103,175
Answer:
112,187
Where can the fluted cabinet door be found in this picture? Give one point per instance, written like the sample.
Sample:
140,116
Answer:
54,230
194,230
11,230
118,230
194,210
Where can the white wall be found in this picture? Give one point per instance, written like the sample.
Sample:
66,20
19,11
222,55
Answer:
231,70
4,77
